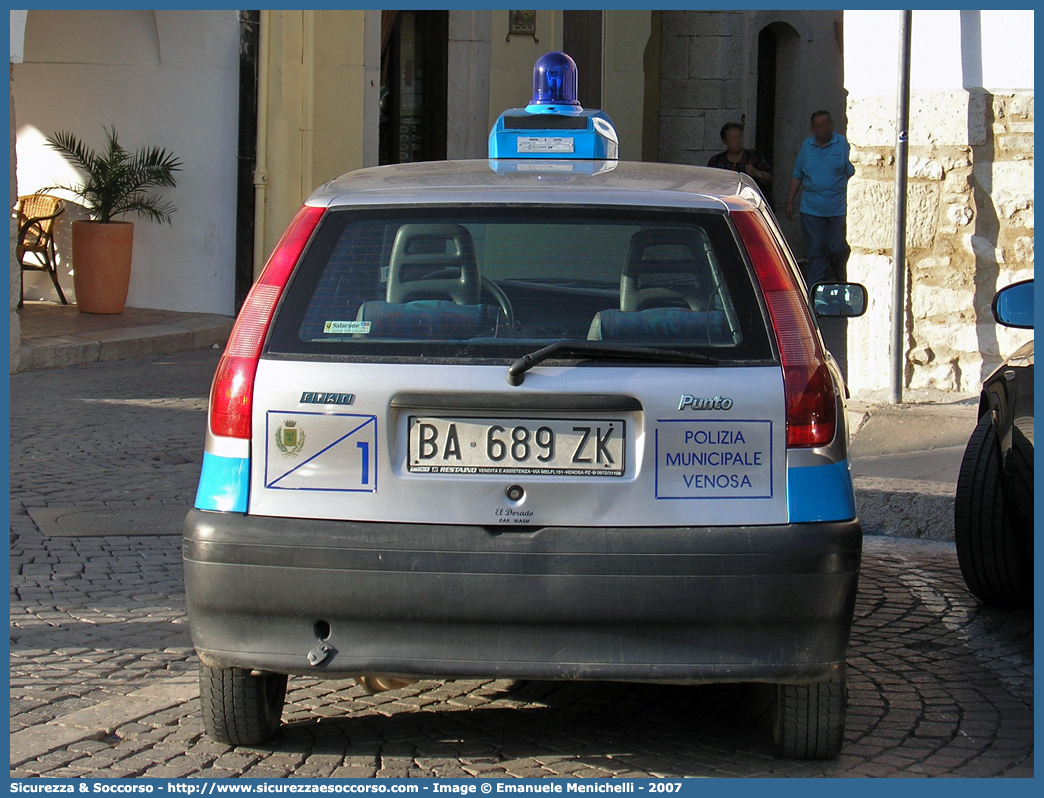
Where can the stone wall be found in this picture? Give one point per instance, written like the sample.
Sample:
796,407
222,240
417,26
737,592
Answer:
709,75
467,103
969,232
703,63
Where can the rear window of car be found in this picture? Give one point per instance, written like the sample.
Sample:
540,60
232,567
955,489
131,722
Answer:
488,283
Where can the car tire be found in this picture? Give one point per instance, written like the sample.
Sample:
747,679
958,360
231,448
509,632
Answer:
810,718
992,560
1021,475
240,708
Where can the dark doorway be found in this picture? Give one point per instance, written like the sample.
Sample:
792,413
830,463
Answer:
414,58
582,40
249,31
765,131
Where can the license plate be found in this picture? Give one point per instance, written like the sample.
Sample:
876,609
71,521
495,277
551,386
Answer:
548,446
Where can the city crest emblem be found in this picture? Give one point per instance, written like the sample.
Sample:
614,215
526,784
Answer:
289,439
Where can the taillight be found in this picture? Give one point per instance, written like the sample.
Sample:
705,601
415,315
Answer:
811,408
232,392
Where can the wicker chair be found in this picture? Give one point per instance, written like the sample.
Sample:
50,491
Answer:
36,217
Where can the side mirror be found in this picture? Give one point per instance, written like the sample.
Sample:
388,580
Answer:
1013,306
839,299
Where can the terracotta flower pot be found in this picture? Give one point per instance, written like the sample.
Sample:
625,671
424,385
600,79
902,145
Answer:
102,265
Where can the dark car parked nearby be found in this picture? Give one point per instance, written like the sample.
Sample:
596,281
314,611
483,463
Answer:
993,513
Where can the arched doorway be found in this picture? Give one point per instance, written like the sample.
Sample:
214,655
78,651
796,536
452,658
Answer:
777,131
765,134
795,74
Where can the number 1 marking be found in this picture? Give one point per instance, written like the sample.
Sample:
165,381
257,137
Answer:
364,447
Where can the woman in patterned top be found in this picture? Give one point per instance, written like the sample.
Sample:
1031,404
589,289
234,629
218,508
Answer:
739,159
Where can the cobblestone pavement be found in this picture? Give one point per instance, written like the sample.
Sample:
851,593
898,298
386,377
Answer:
938,684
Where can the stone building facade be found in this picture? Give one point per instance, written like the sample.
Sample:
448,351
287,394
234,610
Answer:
970,197
767,69
669,79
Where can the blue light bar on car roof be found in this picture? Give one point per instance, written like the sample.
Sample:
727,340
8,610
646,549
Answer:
554,125
554,84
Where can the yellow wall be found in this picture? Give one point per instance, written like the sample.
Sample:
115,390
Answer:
623,83
339,82
344,117
511,63
283,154
342,138
626,36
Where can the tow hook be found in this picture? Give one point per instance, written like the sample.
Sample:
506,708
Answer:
318,655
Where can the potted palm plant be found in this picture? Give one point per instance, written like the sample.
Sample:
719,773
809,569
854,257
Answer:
116,182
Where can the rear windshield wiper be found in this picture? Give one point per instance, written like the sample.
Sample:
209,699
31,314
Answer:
516,373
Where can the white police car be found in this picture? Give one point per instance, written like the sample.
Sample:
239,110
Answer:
547,416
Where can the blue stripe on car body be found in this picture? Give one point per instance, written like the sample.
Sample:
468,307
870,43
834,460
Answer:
820,493
224,484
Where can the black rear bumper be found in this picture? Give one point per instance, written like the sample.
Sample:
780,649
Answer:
695,604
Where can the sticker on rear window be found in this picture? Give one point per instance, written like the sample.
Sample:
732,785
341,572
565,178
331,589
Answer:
346,327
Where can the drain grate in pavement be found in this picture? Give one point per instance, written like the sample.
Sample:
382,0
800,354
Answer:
103,521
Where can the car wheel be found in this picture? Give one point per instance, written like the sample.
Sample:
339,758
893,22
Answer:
1021,475
992,562
810,718
240,708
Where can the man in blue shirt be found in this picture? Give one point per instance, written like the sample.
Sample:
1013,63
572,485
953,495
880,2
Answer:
822,170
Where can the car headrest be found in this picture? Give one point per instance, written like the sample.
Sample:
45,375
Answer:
431,319
423,249
665,251
676,325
